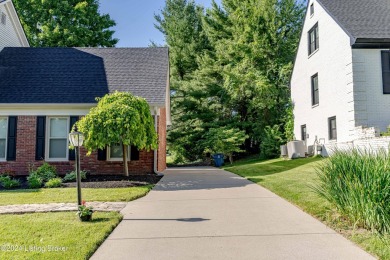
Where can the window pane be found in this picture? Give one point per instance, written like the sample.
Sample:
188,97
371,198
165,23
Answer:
116,151
59,127
312,36
316,97
57,148
333,124
2,148
3,127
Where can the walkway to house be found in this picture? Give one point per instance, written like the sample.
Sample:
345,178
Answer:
56,207
206,213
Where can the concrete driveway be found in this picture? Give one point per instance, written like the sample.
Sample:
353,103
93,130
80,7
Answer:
207,213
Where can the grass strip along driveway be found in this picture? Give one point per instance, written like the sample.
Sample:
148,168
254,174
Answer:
59,235
54,235
292,180
63,195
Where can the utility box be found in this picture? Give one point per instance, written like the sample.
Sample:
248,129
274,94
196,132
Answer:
283,151
296,149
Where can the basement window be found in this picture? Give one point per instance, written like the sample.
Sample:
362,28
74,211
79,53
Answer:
315,96
332,128
303,132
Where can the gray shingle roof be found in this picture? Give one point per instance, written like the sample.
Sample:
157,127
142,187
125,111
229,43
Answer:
78,75
364,19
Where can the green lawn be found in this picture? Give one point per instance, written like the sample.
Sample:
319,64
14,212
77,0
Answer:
292,180
70,195
39,235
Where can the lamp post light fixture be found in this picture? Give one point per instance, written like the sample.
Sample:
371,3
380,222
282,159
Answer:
76,139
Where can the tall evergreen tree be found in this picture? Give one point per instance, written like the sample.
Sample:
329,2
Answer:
72,23
181,23
239,80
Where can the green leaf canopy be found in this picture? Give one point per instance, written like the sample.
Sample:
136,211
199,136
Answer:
119,117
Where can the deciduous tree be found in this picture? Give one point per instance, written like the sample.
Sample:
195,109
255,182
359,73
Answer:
71,23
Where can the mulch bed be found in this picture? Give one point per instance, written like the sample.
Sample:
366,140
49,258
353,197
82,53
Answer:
104,181
106,184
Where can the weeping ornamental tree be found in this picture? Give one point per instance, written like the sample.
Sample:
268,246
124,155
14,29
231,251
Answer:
119,118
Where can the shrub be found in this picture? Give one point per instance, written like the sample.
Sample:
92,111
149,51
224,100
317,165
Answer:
9,172
71,177
8,183
34,181
271,142
46,172
357,183
53,183
224,140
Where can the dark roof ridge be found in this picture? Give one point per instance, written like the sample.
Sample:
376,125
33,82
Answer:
360,19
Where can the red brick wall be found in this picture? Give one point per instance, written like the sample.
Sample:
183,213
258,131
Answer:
162,141
25,155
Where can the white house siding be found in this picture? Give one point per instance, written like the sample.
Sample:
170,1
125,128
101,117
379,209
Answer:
333,63
371,105
9,33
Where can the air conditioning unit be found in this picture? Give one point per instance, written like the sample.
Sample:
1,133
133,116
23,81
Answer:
283,150
296,149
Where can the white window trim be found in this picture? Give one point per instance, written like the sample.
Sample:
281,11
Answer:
6,140
47,140
118,159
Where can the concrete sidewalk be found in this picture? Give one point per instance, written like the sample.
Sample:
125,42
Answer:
207,213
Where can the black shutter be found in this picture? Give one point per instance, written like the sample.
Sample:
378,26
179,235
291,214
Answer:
40,138
386,71
72,154
102,154
11,144
134,153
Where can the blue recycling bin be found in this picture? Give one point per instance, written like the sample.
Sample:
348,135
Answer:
218,159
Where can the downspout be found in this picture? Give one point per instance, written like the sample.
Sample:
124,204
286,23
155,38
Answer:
155,151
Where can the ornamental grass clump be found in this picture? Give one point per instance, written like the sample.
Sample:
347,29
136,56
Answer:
357,183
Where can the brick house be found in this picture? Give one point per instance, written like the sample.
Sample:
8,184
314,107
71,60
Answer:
44,91
11,31
340,83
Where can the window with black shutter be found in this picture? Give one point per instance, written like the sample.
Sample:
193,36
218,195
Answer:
73,120
11,140
313,37
386,71
40,138
102,154
134,153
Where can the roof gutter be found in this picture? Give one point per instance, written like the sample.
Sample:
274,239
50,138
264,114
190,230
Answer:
155,168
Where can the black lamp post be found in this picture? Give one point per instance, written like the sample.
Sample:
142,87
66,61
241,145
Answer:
76,139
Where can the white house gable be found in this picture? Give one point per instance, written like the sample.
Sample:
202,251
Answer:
11,32
321,83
